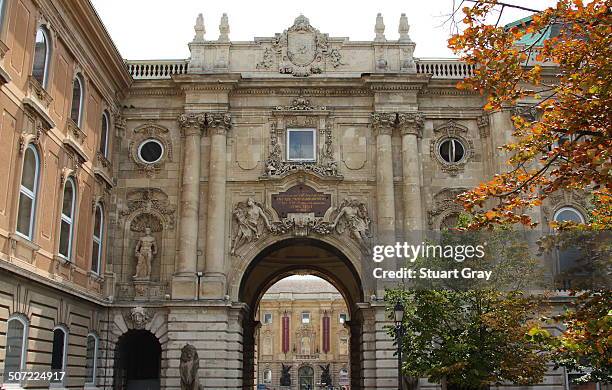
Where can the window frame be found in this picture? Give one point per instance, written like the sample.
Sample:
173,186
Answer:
24,341
314,144
70,220
451,151
64,329
271,318
146,141
78,78
342,320
307,313
33,195
99,239
95,359
568,208
48,47
267,375
104,130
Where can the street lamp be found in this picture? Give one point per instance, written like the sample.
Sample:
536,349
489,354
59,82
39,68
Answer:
398,312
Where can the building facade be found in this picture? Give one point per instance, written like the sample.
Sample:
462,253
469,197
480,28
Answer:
149,205
302,329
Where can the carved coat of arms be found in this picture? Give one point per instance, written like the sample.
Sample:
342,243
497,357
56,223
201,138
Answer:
303,49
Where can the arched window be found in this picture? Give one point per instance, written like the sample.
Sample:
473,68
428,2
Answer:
28,190
16,346
2,12
267,376
104,134
42,55
78,97
96,253
91,359
58,353
565,214
67,220
569,259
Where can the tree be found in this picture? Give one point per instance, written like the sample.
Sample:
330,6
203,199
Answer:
570,145
585,345
469,339
473,334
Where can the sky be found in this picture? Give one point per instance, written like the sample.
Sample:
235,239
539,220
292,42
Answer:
158,29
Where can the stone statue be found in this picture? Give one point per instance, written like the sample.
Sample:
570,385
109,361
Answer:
326,379
188,368
248,216
353,216
285,379
146,248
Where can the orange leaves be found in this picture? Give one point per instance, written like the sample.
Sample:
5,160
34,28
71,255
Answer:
570,144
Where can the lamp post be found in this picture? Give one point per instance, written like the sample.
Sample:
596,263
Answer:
398,312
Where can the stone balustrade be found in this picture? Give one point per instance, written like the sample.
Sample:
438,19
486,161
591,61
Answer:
445,68
164,69
156,69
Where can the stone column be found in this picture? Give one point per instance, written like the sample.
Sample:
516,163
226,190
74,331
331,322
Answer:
383,124
183,283
217,123
411,128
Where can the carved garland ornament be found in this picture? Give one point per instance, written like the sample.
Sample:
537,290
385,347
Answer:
158,133
452,130
444,205
148,203
251,222
326,166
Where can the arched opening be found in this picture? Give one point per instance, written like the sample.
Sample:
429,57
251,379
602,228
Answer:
137,361
322,332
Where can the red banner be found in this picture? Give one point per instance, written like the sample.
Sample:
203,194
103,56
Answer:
326,334
285,334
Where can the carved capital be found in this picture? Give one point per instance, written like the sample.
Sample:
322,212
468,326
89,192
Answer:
383,122
218,122
410,123
191,124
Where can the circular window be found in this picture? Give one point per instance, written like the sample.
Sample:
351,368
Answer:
150,151
451,150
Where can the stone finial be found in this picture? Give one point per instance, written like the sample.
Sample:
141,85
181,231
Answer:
379,29
199,29
224,29
403,29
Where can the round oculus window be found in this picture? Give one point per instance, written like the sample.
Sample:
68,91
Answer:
150,151
451,150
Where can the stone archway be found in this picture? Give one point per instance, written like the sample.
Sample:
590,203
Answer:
137,363
288,257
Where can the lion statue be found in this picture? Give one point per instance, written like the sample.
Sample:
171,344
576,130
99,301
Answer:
190,363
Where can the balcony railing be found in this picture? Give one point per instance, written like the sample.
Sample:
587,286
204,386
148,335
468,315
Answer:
156,69
164,69
445,69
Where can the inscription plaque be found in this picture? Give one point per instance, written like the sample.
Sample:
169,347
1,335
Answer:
301,199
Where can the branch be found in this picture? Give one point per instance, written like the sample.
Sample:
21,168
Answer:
505,5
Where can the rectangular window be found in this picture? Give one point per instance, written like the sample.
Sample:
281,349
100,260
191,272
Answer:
342,318
305,317
301,144
267,318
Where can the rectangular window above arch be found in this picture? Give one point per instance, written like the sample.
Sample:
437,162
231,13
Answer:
301,144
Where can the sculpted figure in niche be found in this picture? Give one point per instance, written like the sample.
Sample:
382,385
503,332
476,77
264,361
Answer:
248,216
326,379
188,368
146,248
353,216
285,379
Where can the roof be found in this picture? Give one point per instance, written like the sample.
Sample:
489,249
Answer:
307,284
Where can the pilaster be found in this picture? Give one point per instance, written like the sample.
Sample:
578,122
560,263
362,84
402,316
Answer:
184,280
411,129
383,124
